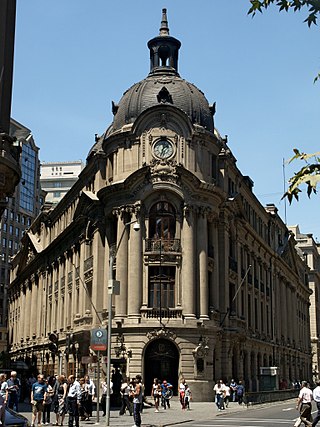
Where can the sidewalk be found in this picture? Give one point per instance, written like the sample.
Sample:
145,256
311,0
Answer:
175,415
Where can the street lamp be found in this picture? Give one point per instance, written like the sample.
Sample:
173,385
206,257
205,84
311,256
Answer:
111,286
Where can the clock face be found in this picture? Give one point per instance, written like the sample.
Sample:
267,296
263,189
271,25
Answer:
163,149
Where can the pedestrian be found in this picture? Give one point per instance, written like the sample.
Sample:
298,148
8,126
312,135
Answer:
304,403
137,402
187,397
104,395
316,398
182,389
74,400
219,390
83,401
156,393
240,392
38,395
60,399
166,394
3,397
91,393
125,391
227,394
14,388
233,390
47,403
139,378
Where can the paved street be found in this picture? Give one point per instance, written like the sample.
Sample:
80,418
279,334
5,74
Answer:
203,414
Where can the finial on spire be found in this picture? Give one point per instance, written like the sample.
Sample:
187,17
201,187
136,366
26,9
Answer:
164,29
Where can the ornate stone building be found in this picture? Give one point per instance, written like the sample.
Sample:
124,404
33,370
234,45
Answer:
310,251
210,284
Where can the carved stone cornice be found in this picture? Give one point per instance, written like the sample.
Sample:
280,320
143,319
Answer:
123,210
161,333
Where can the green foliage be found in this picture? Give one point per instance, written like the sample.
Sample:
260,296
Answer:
309,174
313,7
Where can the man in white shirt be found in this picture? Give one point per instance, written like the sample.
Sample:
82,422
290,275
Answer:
74,399
304,404
316,398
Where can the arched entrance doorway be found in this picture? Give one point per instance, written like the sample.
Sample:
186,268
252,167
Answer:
161,361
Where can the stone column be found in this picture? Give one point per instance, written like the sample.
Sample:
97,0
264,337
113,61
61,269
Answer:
188,264
82,292
99,280
215,275
283,305
27,310
122,267
135,274
202,244
35,308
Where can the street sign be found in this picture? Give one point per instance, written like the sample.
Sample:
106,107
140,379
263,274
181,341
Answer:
98,339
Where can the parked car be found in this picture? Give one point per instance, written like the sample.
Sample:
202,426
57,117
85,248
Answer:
14,419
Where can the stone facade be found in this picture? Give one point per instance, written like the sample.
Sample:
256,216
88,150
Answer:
310,251
210,284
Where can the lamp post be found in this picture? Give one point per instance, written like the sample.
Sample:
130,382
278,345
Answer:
111,287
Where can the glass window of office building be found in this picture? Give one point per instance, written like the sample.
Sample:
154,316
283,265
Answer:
28,178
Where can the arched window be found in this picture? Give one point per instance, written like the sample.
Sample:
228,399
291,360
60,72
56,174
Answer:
162,224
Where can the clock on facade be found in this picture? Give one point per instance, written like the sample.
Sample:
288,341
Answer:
163,149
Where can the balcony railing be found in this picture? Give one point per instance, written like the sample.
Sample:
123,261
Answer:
166,313
163,245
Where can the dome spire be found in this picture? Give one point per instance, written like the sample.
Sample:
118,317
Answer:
164,29
164,50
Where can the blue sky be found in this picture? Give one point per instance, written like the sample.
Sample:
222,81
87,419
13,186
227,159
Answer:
73,57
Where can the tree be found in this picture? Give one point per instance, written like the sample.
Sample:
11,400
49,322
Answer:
309,174
313,7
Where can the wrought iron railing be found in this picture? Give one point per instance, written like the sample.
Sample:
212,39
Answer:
163,245
164,313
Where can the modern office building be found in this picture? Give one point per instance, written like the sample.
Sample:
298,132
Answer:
22,208
211,285
310,251
58,177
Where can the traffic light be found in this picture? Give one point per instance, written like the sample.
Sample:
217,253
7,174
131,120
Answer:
69,343
53,346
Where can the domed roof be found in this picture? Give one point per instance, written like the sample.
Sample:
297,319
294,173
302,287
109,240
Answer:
163,85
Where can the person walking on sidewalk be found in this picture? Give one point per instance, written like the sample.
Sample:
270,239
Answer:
14,389
316,398
125,393
219,390
240,392
233,390
187,397
304,404
137,402
3,397
74,400
48,401
156,393
166,394
182,389
38,395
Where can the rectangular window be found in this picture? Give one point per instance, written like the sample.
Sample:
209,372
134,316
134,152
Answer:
161,287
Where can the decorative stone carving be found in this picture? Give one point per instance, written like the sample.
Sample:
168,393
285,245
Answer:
161,333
